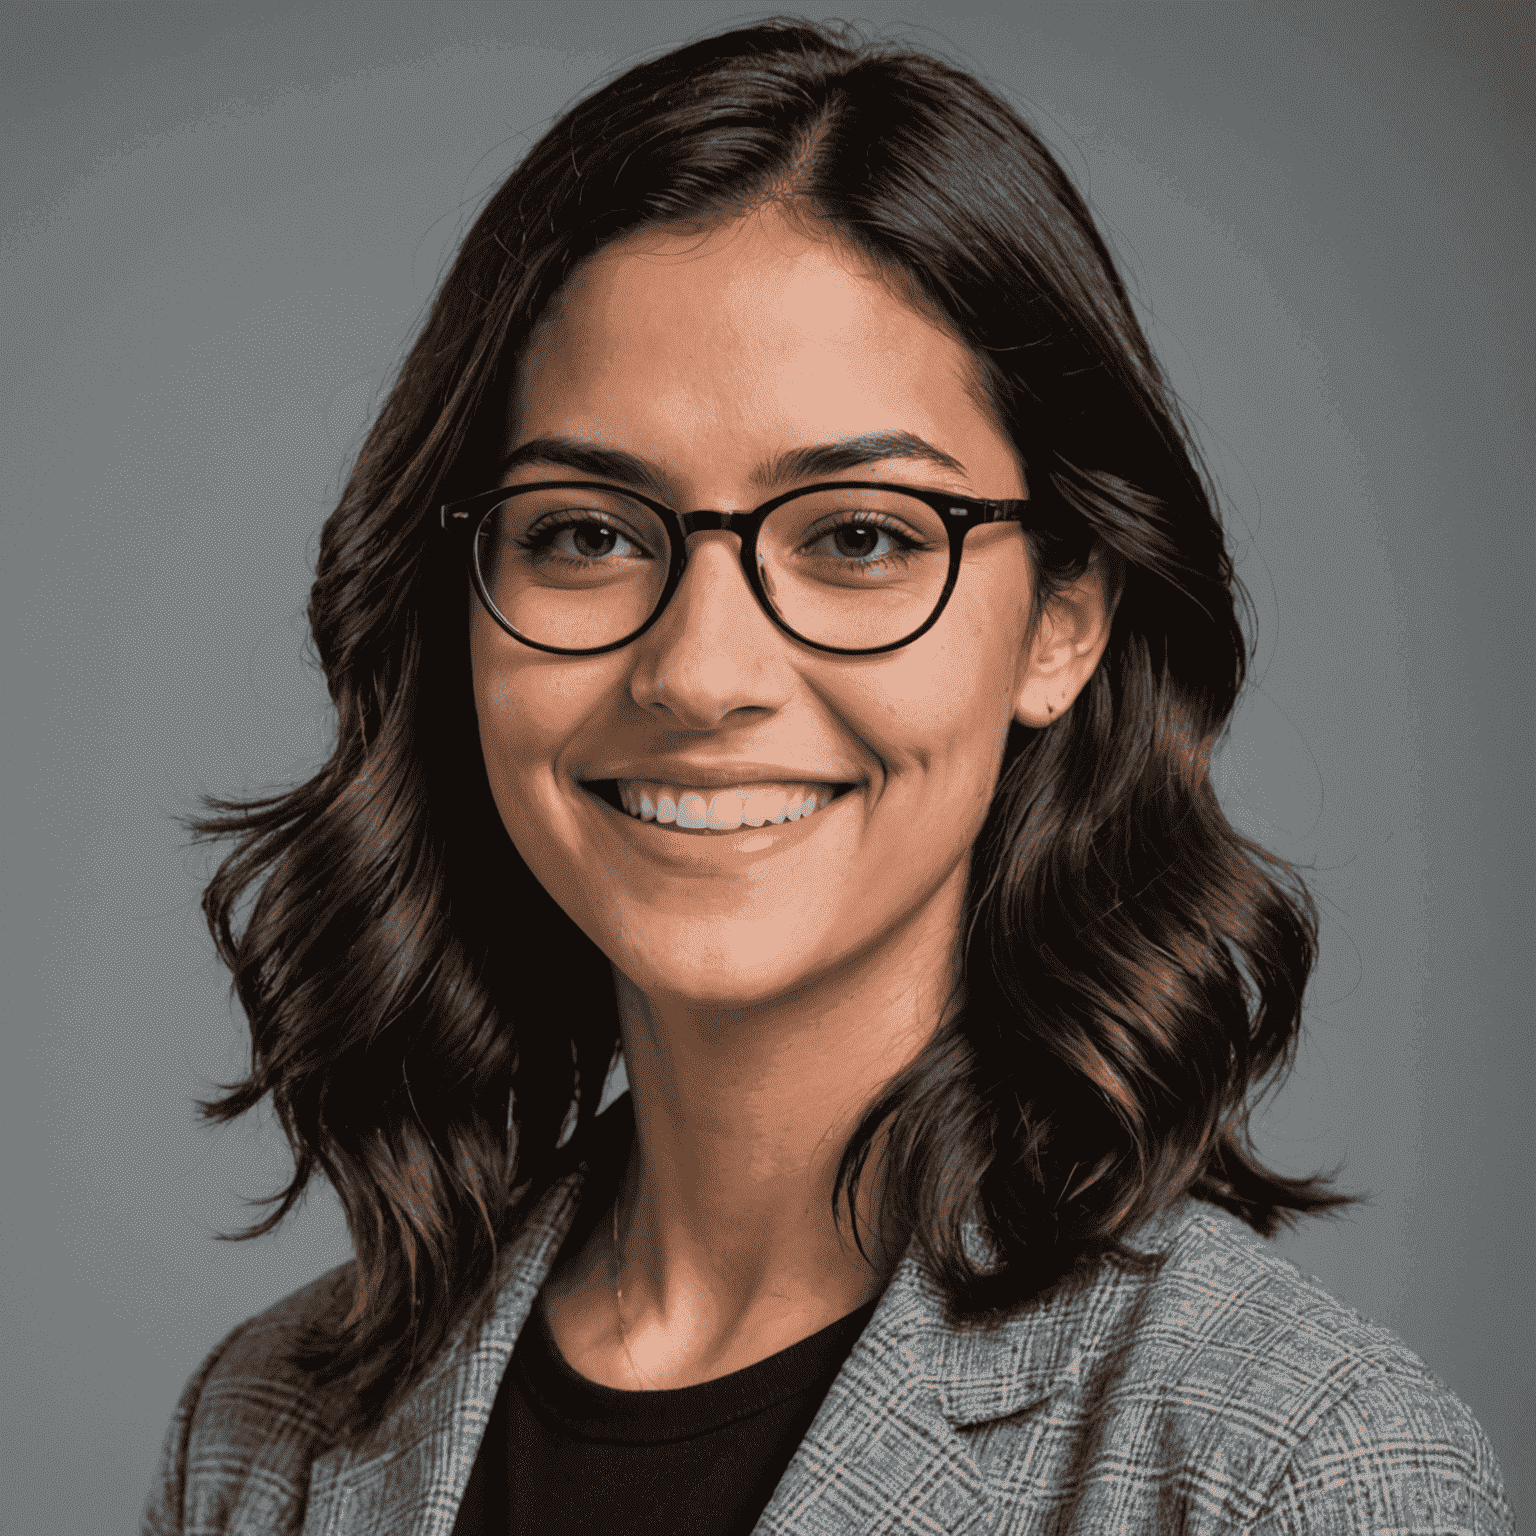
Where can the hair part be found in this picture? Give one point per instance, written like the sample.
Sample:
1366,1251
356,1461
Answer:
1133,967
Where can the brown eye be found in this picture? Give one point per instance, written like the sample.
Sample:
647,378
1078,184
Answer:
593,539
857,541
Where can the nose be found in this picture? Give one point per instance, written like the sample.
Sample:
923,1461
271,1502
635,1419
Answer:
713,651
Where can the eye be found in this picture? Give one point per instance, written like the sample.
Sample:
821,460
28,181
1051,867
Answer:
592,541
580,536
862,539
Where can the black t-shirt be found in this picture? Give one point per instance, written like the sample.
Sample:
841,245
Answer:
562,1453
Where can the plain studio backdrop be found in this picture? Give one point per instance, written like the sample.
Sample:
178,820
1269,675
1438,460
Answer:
221,226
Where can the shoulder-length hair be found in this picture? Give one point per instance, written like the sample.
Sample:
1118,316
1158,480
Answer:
1133,967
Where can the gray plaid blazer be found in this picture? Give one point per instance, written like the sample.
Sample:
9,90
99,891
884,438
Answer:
1227,1393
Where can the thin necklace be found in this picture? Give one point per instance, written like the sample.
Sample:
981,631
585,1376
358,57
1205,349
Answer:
618,1296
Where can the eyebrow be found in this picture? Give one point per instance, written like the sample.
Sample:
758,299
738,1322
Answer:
793,464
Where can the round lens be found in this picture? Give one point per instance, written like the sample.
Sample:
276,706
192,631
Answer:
851,568
573,567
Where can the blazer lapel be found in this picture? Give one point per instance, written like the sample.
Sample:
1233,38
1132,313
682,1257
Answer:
882,1453
890,1449
408,1477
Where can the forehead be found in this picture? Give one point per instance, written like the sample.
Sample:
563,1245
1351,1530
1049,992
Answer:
760,325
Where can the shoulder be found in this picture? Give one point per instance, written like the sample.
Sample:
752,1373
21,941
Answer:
1395,1452
250,1422
253,1420
1348,1429
1225,1304
1235,1389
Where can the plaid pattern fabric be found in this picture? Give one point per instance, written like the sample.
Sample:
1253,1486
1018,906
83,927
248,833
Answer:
1229,1393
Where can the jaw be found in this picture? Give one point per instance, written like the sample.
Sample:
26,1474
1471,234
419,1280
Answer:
740,920
750,921
836,975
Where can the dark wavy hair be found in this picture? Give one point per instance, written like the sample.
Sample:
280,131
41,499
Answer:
1133,967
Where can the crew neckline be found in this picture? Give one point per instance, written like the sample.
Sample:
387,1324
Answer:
597,1412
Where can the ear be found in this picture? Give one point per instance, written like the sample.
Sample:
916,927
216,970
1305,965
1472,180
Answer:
1065,648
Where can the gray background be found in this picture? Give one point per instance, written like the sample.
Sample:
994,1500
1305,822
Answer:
220,227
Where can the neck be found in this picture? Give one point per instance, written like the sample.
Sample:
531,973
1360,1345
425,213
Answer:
741,1118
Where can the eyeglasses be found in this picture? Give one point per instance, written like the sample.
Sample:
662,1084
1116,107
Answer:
854,567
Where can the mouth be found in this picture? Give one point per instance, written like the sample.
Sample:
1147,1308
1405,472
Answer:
715,812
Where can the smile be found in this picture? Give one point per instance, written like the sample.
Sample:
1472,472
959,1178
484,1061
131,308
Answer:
722,809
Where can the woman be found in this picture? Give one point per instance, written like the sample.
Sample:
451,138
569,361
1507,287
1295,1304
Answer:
824,721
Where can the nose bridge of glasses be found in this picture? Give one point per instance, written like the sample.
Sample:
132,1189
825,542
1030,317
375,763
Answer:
708,521
712,522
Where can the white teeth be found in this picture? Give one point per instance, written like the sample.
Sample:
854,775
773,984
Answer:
723,810
758,806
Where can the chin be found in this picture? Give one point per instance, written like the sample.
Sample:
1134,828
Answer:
738,966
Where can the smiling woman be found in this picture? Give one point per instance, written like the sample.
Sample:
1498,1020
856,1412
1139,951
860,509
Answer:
779,631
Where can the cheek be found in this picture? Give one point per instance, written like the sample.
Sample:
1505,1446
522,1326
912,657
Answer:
503,733
505,738
526,720
527,710
944,706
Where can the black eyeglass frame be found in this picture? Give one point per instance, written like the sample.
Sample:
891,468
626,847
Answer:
959,514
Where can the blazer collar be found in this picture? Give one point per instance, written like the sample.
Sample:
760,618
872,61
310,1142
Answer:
1051,1345
887,1449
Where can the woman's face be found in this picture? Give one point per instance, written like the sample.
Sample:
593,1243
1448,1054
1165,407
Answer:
707,359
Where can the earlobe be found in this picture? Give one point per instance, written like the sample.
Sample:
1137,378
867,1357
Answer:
1066,647
1038,710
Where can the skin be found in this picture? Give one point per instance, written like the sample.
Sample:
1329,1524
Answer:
769,981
